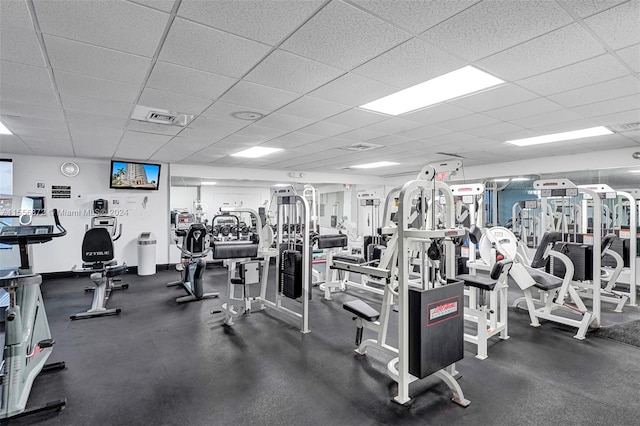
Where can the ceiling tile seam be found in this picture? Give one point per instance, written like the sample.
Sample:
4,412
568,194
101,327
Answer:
596,37
36,27
147,6
22,63
241,78
154,59
95,45
606,100
375,15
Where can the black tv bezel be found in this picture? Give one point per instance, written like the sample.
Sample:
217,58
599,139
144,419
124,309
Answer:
129,188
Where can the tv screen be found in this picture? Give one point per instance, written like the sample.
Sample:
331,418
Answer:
132,175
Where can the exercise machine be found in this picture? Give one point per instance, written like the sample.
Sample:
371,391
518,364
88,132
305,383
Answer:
195,247
98,257
27,337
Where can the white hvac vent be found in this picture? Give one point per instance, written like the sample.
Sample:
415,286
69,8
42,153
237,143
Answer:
160,116
621,128
361,146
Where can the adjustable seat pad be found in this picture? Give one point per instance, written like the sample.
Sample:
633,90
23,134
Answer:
483,281
543,280
349,258
361,309
331,241
116,270
234,249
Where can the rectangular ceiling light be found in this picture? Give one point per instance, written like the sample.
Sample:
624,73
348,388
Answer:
559,137
208,183
256,151
374,165
4,130
448,86
281,185
634,171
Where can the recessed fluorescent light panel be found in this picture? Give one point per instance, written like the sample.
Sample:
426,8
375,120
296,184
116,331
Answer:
375,165
282,185
208,183
634,171
4,130
565,136
448,86
256,151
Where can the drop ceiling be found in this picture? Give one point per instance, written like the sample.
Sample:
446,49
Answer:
71,73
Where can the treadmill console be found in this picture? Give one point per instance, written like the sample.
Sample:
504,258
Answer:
26,230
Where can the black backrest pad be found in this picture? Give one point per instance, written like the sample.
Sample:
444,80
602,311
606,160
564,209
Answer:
497,268
549,238
234,249
195,239
97,246
330,241
607,241
475,233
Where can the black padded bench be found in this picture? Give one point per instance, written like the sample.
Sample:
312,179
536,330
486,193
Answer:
332,241
362,310
483,281
349,258
234,249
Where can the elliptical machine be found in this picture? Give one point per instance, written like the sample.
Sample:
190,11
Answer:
27,337
98,256
195,247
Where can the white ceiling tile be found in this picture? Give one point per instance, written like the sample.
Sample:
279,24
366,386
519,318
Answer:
523,109
24,110
92,120
284,122
610,106
353,90
553,50
202,157
173,101
601,68
468,122
82,58
360,135
598,92
312,108
260,132
88,137
96,106
491,26
24,95
414,16
80,85
393,125
26,125
619,26
546,119
566,126
115,24
164,5
389,140
21,75
265,21
436,113
160,129
20,45
137,145
584,8
253,95
44,133
408,64
49,147
188,81
631,56
217,51
15,13
287,71
494,129
343,36
424,132
503,95
10,144
102,150
211,129
222,111
286,144
324,129
298,138
632,116
356,118
333,142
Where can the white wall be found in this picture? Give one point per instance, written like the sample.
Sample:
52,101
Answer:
182,197
233,196
91,183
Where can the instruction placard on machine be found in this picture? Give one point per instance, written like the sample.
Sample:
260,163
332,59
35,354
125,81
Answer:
58,191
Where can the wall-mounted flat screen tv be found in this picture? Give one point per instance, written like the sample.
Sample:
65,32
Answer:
132,175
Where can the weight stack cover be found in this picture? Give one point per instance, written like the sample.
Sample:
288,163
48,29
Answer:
436,328
291,273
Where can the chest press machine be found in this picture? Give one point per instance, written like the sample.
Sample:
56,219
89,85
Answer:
426,348
248,263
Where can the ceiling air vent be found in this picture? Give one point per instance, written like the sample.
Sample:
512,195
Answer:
160,116
361,146
621,128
